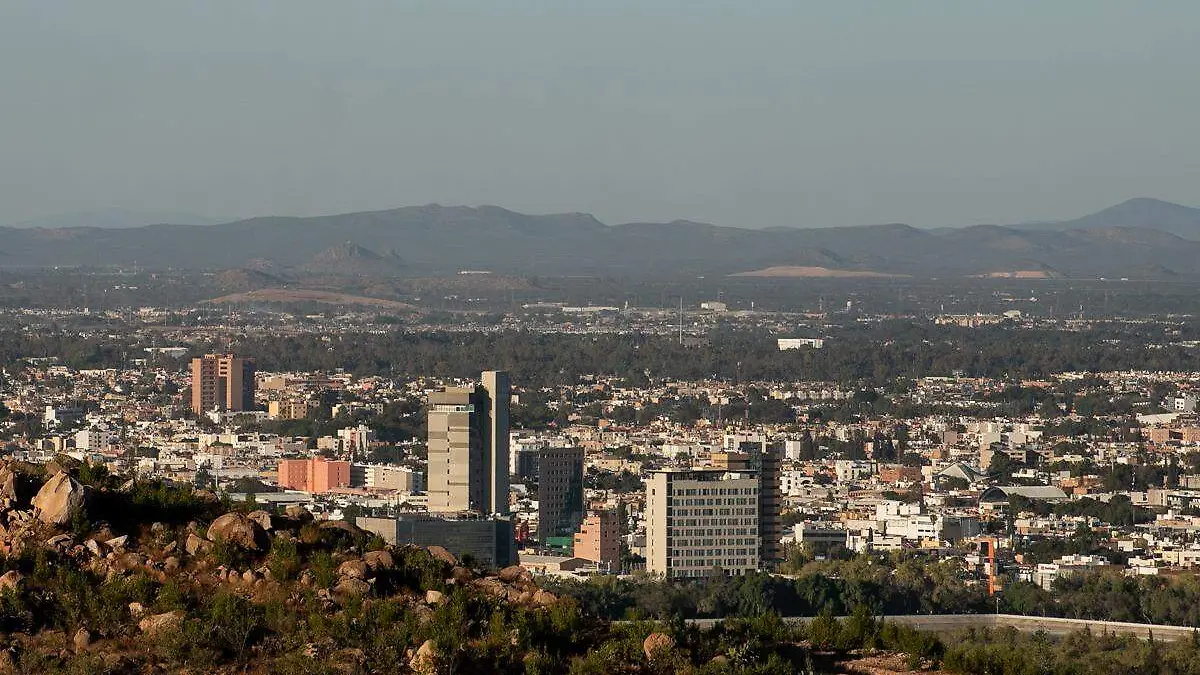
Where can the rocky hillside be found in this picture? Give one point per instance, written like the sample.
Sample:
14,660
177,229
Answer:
103,574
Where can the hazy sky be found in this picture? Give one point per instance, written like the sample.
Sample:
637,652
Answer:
750,113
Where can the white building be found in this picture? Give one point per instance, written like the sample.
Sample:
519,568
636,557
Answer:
1069,565
700,520
800,343
792,450
93,439
356,440
388,477
1183,403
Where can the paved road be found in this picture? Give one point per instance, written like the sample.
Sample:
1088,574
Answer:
942,623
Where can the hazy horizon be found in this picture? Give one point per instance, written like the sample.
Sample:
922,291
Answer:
777,114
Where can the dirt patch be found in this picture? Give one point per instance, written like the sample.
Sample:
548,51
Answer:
812,272
1021,274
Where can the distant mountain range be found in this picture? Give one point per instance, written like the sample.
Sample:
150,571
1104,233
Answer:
114,218
1140,238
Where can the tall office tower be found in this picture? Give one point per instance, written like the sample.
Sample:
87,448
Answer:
752,452
701,520
499,391
468,447
560,493
222,382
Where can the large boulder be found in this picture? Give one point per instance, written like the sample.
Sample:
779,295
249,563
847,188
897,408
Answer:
298,512
158,623
239,530
262,518
11,580
195,545
424,661
59,500
82,639
656,644
379,560
342,525
515,574
460,575
352,569
442,554
351,586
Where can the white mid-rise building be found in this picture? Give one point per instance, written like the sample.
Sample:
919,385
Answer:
701,520
93,439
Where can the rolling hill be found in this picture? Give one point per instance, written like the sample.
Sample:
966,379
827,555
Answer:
435,240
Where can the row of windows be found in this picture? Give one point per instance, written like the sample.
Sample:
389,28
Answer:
710,532
710,563
684,513
728,501
690,573
716,492
684,546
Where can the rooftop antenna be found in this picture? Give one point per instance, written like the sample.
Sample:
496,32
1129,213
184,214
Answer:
681,319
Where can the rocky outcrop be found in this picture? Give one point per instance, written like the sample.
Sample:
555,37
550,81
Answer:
11,580
379,560
8,487
515,574
59,500
159,623
196,545
352,569
82,639
442,554
424,661
262,518
342,525
239,530
297,512
351,586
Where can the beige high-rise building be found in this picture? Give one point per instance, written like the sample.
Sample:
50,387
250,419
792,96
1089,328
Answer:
468,447
702,520
222,382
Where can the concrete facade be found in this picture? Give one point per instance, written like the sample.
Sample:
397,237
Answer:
468,447
698,521
222,382
560,492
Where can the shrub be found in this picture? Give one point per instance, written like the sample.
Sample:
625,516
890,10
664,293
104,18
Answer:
323,568
284,561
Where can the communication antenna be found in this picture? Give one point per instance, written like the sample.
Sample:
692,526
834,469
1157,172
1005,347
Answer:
681,319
